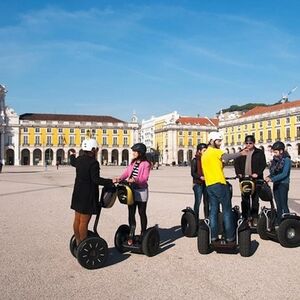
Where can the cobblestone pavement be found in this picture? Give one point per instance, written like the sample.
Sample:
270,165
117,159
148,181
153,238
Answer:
36,225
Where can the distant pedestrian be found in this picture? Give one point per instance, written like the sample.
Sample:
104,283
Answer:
57,165
86,191
1,165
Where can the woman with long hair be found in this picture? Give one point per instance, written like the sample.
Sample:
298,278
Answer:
137,174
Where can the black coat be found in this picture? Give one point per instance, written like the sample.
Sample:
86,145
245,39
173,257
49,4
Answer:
194,171
258,163
85,198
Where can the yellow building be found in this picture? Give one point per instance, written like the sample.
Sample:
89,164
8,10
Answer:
177,140
268,124
48,138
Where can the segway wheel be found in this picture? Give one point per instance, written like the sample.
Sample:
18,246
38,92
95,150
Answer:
92,253
203,241
262,227
188,224
289,233
245,242
121,237
73,245
150,242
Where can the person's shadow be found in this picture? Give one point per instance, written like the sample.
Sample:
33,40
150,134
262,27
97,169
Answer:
168,236
115,257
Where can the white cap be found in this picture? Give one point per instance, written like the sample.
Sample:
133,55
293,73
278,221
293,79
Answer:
89,144
215,135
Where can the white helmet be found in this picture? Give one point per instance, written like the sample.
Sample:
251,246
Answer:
215,135
89,144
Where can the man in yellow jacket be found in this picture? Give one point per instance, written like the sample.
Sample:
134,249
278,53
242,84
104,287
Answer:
217,189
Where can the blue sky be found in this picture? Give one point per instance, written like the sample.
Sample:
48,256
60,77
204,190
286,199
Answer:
151,57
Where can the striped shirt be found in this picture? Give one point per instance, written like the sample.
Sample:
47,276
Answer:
135,170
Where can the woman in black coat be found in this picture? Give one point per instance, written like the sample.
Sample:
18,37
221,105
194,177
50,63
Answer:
85,196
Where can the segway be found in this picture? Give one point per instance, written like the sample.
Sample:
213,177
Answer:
147,244
242,242
287,233
92,252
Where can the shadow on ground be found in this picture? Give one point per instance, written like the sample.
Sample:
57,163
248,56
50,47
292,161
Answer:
168,236
115,257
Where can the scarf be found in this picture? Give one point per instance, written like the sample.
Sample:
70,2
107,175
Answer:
277,163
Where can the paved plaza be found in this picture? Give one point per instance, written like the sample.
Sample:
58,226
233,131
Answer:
36,225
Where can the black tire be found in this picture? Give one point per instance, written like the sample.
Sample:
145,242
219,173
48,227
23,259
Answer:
203,241
189,224
245,242
289,233
262,227
121,236
92,253
72,243
150,242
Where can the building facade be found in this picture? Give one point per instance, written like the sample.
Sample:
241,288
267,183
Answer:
46,139
175,138
268,124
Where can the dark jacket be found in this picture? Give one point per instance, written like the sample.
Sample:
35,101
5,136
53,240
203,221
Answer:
258,163
85,196
195,173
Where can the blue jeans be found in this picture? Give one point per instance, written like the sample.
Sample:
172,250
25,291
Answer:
199,191
280,192
219,194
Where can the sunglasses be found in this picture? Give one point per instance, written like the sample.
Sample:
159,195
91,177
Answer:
249,143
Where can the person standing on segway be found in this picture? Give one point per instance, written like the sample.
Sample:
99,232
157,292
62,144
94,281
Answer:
280,170
85,197
217,189
199,187
137,174
252,165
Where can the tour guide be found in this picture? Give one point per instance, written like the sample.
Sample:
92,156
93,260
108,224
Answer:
217,189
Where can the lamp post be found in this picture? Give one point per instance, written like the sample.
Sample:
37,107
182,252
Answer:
3,92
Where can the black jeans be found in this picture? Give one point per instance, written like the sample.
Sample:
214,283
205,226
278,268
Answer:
131,216
250,210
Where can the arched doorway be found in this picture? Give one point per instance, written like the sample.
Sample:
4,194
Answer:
180,157
10,157
125,157
115,157
69,151
189,155
49,156
25,157
37,156
227,150
104,157
60,156
232,150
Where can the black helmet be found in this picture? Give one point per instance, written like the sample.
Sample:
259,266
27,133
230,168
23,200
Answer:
278,146
201,146
139,147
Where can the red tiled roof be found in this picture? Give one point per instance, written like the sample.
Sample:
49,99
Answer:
198,121
263,109
75,118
